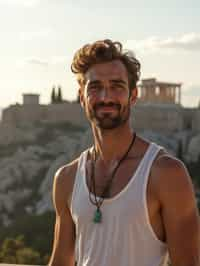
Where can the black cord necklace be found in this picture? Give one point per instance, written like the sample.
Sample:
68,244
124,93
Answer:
98,213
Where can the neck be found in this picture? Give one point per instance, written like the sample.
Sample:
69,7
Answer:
112,144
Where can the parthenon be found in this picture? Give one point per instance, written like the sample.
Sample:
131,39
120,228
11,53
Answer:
153,91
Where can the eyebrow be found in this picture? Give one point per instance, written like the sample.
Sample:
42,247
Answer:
117,81
94,82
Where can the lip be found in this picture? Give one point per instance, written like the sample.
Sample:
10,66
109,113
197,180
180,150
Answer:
107,109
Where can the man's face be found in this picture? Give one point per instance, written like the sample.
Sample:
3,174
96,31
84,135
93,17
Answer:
105,96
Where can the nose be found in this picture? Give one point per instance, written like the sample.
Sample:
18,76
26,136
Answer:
106,95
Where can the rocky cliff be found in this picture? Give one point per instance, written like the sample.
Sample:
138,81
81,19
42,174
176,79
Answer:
28,165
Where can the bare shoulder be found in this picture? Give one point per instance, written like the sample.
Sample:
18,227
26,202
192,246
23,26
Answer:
171,178
66,173
168,167
168,162
63,184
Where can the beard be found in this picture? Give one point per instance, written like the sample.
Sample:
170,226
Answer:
108,120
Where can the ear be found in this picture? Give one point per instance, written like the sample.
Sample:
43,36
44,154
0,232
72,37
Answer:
81,97
133,95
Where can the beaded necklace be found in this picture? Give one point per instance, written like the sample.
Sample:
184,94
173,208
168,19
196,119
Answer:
98,213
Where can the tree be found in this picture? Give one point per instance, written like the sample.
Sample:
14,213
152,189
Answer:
13,251
9,249
53,95
27,225
59,96
28,256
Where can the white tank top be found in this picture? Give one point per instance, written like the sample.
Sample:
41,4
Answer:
125,236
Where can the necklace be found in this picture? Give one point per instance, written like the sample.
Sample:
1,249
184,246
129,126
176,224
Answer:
98,213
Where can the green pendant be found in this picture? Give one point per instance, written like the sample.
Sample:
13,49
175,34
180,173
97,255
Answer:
97,216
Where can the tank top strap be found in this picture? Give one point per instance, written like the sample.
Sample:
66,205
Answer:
78,182
150,157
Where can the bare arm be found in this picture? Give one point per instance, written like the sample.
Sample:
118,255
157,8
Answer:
64,234
179,212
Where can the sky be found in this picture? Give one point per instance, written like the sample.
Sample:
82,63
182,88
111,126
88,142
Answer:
39,38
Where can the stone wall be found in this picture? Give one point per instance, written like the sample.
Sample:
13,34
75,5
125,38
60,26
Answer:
196,121
160,118
164,118
19,114
188,116
65,112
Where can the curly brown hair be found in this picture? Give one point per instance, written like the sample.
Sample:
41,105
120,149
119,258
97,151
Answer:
105,51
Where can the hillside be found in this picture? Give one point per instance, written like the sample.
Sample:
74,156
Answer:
27,168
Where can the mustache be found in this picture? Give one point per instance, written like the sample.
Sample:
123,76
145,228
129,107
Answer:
102,104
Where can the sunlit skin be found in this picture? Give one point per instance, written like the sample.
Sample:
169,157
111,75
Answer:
107,98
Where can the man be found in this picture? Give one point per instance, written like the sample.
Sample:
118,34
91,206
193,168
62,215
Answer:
125,201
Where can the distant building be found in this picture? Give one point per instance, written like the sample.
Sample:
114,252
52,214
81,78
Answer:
153,91
31,99
158,109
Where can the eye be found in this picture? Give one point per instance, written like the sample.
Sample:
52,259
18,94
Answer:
117,87
93,89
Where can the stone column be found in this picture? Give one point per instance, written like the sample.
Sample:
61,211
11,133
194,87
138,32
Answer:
174,94
179,95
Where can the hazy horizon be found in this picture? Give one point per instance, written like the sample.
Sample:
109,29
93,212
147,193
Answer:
39,39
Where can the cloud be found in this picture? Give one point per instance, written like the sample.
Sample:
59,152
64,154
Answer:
186,42
29,36
29,3
56,60
36,61
53,60
25,3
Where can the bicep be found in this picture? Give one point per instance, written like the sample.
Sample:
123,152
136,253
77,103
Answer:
64,234
181,218
182,232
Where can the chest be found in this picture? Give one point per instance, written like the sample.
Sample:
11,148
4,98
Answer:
108,181
123,178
